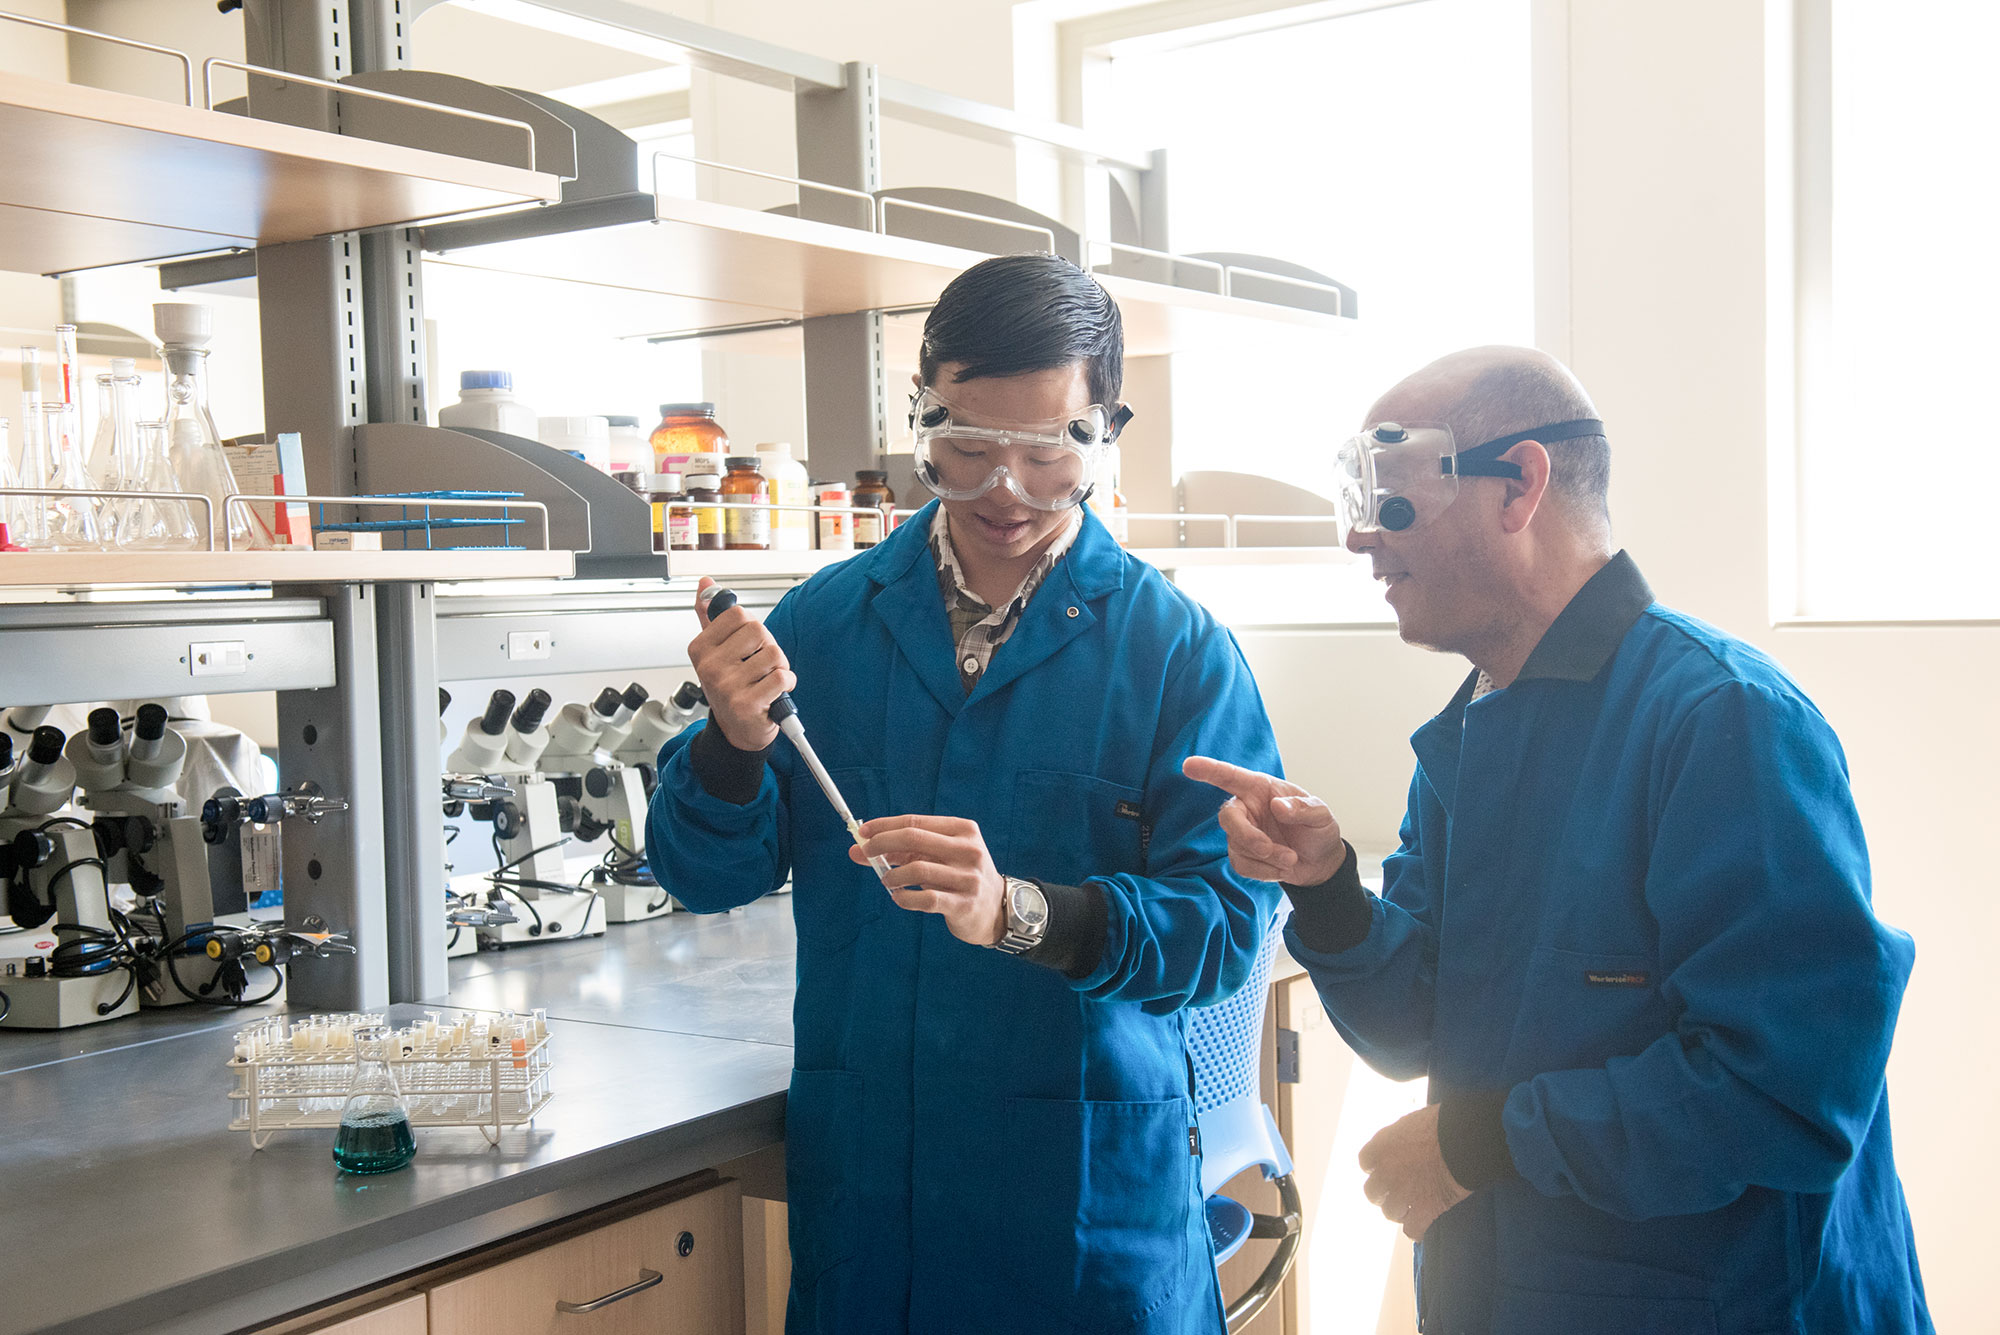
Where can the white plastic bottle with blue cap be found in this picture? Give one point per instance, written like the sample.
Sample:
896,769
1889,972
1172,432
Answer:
486,401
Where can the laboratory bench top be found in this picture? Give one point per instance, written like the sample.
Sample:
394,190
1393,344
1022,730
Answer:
126,1204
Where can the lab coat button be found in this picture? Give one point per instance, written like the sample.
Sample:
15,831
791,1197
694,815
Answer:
1074,613
971,664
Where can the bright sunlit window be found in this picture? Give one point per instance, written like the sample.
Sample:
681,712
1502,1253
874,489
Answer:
1892,421
1389,149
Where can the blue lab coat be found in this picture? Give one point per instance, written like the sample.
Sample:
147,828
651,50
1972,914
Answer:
975,1142
1633,894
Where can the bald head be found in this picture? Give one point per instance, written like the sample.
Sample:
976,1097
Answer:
1485,393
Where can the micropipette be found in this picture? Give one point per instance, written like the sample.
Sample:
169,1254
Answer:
786,715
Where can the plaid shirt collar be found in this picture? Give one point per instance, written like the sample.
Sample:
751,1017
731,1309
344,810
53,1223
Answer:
977,628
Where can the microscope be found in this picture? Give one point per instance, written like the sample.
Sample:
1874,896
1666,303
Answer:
150,843
50,866
531,824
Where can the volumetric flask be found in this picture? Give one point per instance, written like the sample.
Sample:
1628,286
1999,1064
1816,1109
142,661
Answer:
374,1135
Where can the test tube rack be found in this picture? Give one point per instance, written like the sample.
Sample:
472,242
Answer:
463,1072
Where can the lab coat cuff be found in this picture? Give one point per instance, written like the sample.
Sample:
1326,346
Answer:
726,773
1472,1137
1079,921
1334,915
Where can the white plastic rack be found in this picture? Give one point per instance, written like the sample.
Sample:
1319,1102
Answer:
474,1079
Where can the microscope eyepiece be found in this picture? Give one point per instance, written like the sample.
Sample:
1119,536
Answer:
6,750
47,748
444,699
607,702
688,696
494,721
636,695
529,716
151,723
104,726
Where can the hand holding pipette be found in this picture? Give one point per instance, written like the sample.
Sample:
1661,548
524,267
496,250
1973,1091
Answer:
714,602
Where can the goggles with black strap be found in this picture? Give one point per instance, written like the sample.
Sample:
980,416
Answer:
1048,465
1398,478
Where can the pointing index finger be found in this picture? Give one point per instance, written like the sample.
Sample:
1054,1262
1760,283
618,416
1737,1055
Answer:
1247,784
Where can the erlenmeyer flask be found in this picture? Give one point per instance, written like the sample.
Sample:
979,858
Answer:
146,524
114,462
374,1135
192,440
72,518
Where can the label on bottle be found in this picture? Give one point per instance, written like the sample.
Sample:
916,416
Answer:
708,522
659,518
748,523
867,528
682,534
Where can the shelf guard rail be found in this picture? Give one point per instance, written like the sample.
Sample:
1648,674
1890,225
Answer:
106,494
187,61
209,66
378,502
878,208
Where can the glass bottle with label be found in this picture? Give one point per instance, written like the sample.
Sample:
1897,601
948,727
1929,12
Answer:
871,492
682,533
686,429
705,495
747,518
836,531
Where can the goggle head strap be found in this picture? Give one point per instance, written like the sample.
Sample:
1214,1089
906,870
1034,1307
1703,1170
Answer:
1484,460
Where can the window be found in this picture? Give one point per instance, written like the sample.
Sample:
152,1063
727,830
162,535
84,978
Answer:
1389,149
1897,268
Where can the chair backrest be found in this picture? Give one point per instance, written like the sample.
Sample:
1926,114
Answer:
1226,1039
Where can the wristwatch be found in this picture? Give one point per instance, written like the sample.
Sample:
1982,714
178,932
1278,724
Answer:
1027,916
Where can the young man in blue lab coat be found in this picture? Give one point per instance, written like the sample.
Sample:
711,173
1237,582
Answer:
1627,935
989,1126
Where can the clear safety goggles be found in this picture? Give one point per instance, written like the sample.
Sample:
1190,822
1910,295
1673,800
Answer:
1048,465
1398,478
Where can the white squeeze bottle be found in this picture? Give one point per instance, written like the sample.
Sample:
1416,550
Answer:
791,530
486,401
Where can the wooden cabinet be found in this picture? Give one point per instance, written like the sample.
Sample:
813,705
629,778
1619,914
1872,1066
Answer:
405,1316
676,1269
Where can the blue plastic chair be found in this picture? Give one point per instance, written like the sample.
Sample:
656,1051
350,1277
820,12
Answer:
1237,1130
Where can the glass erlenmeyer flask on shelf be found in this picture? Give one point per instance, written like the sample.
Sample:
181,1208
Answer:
192,440
374,1135
146,523
7,480
114,463
72,511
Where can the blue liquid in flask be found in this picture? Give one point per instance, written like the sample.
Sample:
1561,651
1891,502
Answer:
375,1142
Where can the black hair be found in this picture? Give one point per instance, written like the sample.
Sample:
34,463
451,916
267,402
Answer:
1019,313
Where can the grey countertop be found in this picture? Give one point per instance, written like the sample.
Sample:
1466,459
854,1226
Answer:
126,1204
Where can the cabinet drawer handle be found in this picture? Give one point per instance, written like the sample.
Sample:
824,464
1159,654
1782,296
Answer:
647,1279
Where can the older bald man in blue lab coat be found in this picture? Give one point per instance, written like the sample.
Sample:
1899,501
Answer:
1627,934
990,1125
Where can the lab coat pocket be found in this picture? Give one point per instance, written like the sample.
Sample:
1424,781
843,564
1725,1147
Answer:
821,1175
1529,1312
1099,1222
1070,827
833,897
1582,1008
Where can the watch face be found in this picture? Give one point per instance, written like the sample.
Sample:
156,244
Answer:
1031,907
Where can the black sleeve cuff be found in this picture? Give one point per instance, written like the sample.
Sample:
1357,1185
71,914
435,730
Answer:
1334,915
1073,944
1473,1139
725,772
